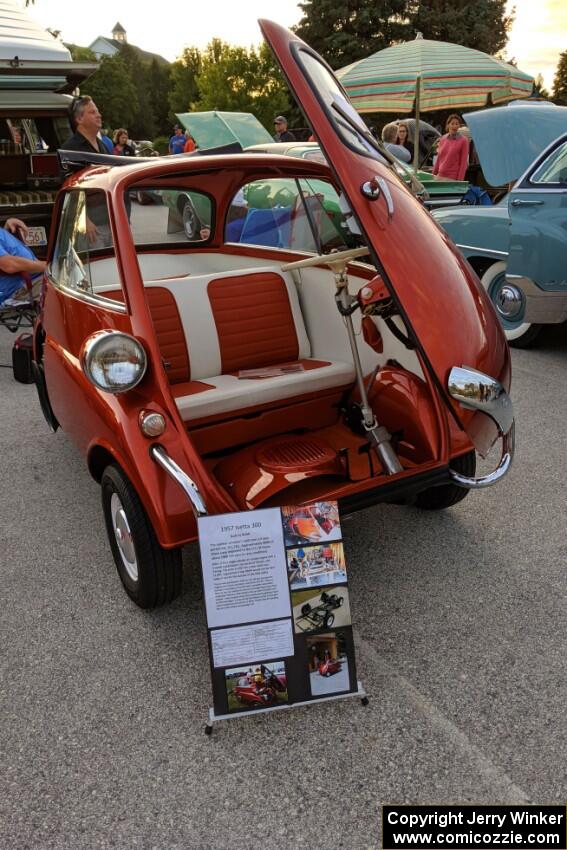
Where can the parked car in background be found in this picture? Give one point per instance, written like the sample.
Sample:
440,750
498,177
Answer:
37,73
518,246
208,376
441,191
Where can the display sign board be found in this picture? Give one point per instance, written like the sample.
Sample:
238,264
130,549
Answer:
278,609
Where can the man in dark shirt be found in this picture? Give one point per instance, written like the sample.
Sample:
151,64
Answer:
282,134
86,120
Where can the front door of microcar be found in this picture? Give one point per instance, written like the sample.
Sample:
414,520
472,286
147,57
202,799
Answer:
448,316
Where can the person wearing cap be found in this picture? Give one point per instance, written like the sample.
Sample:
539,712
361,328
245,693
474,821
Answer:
177,141
282,134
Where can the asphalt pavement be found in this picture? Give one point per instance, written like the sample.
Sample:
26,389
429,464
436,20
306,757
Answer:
459,621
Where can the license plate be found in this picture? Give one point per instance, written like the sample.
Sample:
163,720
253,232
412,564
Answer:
36,237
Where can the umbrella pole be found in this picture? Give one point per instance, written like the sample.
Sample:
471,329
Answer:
416,134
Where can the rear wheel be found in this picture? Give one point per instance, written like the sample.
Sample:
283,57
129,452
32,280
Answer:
191,223
150,574
520,334
439,498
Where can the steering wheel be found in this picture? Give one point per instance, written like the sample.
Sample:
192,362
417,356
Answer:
338,259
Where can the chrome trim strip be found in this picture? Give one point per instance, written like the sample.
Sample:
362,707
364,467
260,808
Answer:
161,457
485,251
508,445
95,300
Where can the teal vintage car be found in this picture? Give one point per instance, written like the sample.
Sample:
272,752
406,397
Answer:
518,246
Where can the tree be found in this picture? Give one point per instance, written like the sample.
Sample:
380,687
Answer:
480,24
183,75
143,123
159,84
539,88
560,79
113,92
343,32
237,79
81,54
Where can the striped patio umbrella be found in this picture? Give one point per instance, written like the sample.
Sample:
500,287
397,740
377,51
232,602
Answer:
424,75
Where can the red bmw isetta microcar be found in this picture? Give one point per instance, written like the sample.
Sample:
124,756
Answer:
317,338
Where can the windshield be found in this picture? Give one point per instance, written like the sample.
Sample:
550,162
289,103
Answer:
343,116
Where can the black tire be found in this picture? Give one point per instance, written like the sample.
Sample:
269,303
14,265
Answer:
527,339
154,575
340,601
439,498
305,609
191,222
328,621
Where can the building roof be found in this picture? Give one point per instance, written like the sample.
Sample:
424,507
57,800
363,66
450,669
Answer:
118,27
144,55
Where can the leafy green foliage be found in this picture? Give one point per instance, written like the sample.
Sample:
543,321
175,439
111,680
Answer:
343,32
114,93
80,54
480,24
237,79
560,80
183,80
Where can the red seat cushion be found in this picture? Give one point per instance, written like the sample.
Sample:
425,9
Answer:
254,321
169,332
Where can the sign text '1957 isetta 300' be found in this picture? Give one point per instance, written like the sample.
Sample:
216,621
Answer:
352,358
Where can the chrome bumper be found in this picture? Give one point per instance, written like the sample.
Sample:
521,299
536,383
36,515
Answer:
161,457
543,307
477,391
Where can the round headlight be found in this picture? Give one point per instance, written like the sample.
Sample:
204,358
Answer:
114,362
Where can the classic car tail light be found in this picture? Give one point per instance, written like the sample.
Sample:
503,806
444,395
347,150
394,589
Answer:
114,362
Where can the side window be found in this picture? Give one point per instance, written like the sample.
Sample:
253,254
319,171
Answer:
553,169
84,259
304,215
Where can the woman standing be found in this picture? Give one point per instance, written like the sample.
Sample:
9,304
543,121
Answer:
452,151
122,146
403,139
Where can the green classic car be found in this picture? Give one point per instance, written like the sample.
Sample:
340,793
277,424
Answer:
440,191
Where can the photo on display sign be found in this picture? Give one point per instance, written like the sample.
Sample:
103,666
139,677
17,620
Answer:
252,686
316,523
327,663
320,609
316,566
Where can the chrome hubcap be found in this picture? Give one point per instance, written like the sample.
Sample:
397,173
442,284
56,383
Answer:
123,537
509,302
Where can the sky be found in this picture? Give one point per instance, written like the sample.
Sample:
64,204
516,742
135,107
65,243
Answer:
538,36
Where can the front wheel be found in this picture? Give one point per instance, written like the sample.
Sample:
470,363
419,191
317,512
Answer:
447,495
520,334
150,574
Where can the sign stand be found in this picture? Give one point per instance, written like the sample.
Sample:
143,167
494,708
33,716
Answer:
215,718
278,610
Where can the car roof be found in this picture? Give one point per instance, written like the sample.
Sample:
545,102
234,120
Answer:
249,166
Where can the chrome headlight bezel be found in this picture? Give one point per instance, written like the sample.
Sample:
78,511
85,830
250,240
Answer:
113,361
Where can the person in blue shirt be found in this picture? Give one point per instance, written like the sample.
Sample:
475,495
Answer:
17,261
177,141
106,140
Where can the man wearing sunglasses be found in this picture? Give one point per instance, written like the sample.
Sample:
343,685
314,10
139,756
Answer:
86,120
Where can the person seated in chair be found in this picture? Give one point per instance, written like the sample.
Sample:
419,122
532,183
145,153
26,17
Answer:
17,262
